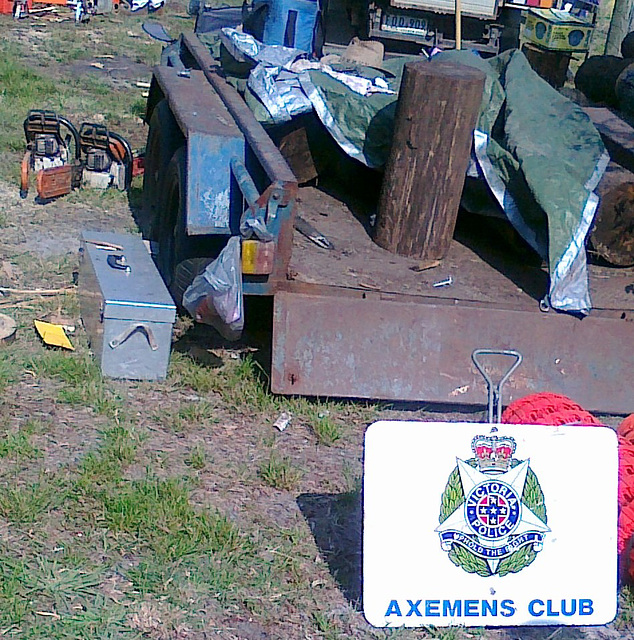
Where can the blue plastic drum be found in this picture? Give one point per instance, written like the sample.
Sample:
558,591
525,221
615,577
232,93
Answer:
291,23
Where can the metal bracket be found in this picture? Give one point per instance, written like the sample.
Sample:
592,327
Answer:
124,335
494,391
260,207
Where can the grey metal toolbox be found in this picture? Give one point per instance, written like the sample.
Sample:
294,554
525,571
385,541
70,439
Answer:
126,308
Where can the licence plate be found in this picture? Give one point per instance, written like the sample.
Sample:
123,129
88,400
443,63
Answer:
402,23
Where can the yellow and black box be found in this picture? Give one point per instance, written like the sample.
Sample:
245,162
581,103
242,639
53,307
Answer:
556,30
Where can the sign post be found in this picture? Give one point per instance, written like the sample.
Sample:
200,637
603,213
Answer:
496,525
458,10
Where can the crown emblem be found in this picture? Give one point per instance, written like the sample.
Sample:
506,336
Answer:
493,453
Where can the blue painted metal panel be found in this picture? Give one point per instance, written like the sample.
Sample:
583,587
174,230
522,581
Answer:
213,202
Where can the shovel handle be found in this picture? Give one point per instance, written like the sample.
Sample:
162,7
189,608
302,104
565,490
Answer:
494,390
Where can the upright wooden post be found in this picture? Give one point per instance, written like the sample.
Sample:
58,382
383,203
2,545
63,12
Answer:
436,113
458,10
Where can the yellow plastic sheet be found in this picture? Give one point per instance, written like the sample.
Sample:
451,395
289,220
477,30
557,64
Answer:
53,334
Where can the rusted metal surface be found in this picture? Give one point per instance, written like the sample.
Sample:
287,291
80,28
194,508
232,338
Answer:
358,345
483,265
283,182
195,107
266,152
212,140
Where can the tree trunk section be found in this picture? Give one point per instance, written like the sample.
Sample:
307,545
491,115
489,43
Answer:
552,66
438,106
612,234
596,78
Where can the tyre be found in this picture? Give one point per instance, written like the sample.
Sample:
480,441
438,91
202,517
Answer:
181,257
171,218
164,138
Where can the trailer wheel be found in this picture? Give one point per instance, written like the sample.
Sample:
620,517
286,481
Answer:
164,138
171,210
181,257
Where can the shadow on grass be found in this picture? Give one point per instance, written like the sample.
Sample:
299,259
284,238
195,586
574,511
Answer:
336,523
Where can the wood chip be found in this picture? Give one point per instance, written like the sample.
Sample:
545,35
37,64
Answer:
50,614
36,292
426,264
7,329
108,246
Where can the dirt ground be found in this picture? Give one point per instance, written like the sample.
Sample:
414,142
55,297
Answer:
320,505
310,517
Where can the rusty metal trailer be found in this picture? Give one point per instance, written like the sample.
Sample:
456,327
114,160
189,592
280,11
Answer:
357,321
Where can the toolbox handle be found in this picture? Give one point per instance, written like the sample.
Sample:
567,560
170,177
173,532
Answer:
124,335
118,261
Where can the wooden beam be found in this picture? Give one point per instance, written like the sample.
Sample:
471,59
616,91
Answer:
437,110
618,136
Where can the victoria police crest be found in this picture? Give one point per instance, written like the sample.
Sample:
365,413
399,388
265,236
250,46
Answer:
492,515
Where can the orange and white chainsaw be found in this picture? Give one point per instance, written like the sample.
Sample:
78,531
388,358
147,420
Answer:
65,159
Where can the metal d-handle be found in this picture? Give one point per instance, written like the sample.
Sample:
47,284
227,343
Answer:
118,261
494,391
124,335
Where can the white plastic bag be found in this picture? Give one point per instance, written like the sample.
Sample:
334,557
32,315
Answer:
215,295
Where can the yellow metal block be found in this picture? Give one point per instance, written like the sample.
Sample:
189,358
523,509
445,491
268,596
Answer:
257,257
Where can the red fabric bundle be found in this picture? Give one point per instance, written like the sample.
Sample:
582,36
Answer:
555,409
547,408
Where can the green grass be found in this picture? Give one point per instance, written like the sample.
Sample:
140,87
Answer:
27,504
11,367
280,473
143,531
84,385
93,394
75,369
46,598
104,466
188,416
243,386
18,445
158,513
21,89
327,430
197,458
120,443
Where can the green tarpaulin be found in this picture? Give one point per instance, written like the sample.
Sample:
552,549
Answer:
537,151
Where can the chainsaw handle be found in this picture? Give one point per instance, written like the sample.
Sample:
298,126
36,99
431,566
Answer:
24,175
128,158
48,122
74,133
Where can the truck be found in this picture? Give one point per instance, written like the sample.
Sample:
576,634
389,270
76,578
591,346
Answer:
488,26
353,320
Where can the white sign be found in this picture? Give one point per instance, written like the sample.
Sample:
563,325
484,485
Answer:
480,524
